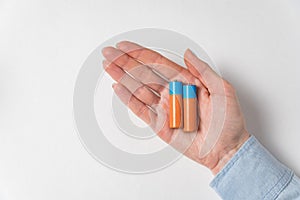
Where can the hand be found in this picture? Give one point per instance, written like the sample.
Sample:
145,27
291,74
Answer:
221,131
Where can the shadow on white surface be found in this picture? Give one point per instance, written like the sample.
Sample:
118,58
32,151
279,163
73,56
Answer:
256,117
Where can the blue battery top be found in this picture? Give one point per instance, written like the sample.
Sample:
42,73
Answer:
175,87
189,91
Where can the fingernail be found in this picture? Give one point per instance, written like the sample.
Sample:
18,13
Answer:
122,45
106,51
190,52
127,46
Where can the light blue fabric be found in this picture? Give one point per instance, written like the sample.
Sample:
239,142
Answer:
253,173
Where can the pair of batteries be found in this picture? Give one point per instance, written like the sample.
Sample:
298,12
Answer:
183,106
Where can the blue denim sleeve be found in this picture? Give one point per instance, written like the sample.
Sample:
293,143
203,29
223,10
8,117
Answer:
253,173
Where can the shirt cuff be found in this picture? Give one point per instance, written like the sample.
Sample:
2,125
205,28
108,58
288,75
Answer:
252,173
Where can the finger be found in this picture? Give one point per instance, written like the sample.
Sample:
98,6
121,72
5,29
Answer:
139,71
161,64
210,79
134,104
139,90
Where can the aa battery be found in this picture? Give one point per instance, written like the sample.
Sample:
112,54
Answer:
175,102
189,108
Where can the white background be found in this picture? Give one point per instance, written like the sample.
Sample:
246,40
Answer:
255,44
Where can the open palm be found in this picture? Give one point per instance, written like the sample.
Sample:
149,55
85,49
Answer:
142,77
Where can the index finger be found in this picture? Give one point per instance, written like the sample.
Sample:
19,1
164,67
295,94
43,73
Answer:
153,59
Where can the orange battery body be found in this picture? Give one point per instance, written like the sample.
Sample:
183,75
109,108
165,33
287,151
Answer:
175,102
190,108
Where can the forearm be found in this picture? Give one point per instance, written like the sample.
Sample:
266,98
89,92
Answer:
253,173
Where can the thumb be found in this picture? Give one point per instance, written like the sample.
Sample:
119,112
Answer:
202,71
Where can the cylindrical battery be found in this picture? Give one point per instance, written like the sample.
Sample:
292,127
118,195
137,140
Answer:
175,102
189,108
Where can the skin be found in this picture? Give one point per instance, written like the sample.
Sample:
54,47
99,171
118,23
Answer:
145,91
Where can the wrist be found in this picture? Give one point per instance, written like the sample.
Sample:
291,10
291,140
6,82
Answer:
227,155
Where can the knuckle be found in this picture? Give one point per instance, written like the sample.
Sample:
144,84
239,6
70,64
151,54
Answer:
141,91
145,74
124,60
141,110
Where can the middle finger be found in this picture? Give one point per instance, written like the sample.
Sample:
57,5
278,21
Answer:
139,71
